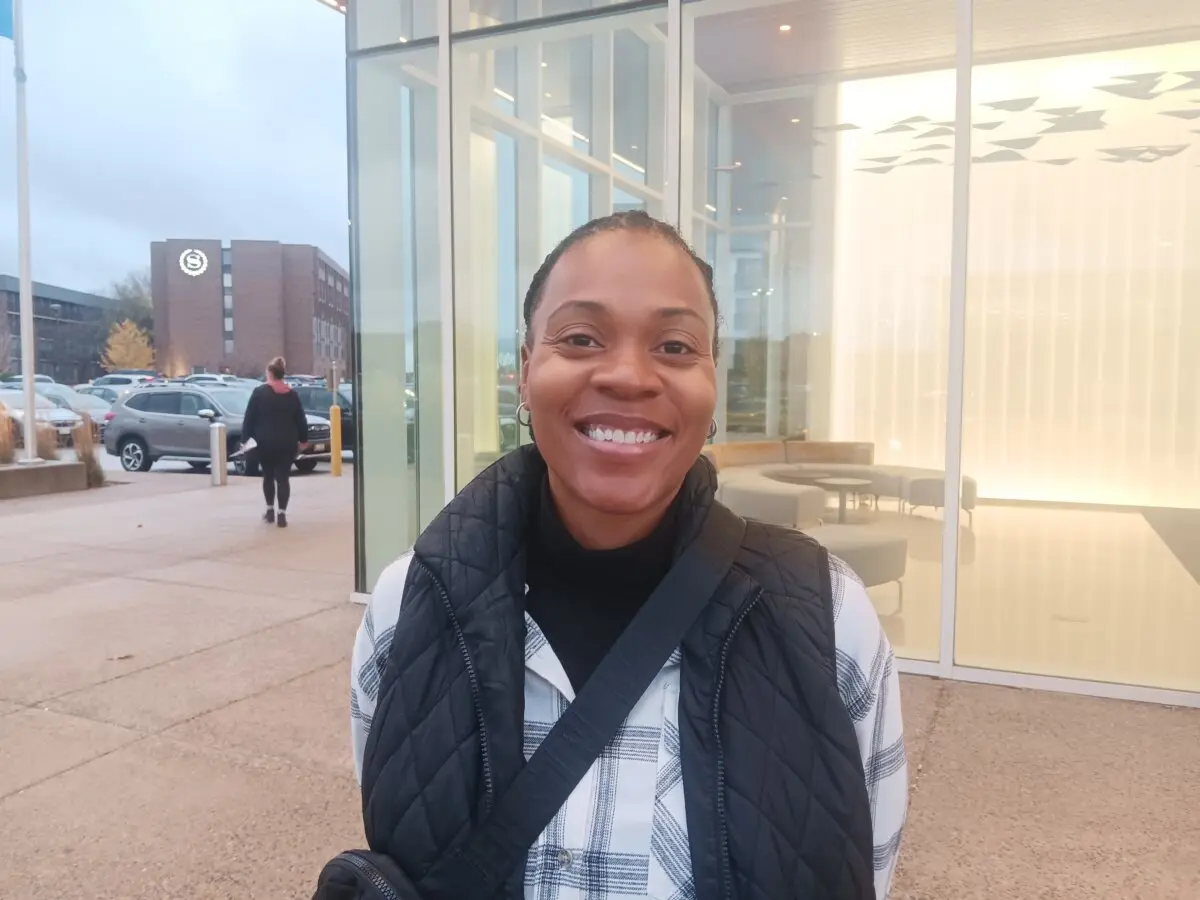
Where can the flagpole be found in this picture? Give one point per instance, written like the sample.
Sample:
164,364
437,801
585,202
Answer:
28,342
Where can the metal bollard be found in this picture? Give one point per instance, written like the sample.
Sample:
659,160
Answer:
218,453
335,440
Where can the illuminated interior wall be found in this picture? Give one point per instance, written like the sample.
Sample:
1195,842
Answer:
1083,309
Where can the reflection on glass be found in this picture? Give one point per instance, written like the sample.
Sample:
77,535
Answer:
1082,394
379,23
488,13
549,134
834,307
399,298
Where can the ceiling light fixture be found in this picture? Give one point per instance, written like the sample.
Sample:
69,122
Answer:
545,64
547,95
785,28
795,121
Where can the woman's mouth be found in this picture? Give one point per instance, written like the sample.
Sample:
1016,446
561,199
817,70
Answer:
618,436
621,437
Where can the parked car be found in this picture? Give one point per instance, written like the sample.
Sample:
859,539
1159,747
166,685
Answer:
171,421
507,402
115,379
108,394
211,378
317,400
64,421
7,381
64,397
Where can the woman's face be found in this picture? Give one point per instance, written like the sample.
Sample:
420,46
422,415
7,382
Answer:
619,377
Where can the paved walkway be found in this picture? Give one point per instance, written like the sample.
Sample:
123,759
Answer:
173,723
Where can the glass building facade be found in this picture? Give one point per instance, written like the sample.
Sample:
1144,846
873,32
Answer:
966,234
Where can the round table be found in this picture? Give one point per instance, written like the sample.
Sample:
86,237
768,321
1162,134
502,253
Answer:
800,477
843,486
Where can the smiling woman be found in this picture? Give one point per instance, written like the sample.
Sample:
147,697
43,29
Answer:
715,658
620,343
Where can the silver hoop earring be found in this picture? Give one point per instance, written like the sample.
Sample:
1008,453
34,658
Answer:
528,419
712,429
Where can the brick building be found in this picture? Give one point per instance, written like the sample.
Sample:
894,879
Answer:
230,307
67,325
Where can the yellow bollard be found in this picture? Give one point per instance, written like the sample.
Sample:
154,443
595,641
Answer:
335,440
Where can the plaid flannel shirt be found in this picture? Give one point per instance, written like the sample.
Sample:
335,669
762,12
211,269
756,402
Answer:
622,834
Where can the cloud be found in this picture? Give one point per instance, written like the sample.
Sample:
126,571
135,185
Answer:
188,118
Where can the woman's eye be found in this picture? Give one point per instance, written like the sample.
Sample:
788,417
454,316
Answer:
676,348
580,340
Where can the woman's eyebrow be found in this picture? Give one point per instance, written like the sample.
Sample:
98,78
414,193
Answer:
675,312
597,307
591,306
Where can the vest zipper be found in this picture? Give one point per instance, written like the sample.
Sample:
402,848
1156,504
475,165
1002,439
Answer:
722,825
476,698
372,875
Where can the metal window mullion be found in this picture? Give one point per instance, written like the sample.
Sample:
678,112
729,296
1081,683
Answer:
724,264
529,161
445,143
352,170
959,246
672,189
687,124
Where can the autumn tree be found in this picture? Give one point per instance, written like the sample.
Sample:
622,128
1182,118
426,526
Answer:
133,300
128,347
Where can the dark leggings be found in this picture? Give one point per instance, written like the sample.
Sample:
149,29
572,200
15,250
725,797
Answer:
276,473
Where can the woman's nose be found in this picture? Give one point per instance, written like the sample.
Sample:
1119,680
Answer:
628,372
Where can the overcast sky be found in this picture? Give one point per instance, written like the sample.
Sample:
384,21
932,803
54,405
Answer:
154,119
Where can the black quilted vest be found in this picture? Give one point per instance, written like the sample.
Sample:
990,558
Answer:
776,799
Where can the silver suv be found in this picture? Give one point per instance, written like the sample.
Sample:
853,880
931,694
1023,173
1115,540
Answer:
171,421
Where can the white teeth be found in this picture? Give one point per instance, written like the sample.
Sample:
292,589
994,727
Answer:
617,436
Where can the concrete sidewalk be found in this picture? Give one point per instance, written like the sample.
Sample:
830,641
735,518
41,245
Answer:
173,723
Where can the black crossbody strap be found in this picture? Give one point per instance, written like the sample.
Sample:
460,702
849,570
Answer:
498,846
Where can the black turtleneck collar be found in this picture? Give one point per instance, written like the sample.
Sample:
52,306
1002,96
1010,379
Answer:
583,599
642,563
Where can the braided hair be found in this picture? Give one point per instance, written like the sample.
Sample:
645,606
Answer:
629,220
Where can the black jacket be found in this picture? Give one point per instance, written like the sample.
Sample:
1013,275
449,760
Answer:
275,419
776,798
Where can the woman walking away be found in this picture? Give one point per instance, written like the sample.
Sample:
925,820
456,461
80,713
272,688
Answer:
275,421
589,680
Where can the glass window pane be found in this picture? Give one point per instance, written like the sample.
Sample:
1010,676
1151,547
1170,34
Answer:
190,404
398,379
586,90
487,13
633,60
378,23
830,236
162,402
1081,419
528,172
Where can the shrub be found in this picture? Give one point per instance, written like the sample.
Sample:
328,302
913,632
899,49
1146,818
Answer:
85,452
47,442
8,440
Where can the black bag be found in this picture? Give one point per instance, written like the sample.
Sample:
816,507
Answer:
363,875
495,850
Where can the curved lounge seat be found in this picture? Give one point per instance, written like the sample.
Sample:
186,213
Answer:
911,485
758,468
930,490
753,495
876,555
